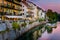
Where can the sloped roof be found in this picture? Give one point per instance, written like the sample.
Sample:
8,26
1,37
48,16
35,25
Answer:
39,8
31,2
34,4
25,3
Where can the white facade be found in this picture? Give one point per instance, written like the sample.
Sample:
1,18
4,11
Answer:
31,9
24,9
41,14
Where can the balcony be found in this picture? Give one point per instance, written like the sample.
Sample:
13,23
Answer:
30,12
17,1
10,7
21,12
14,2
29,15
13,16
1,13
31,7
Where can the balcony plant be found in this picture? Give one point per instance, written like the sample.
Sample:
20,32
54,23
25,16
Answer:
24,24
41,19
30,22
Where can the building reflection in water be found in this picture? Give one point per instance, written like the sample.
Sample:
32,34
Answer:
54,35
37,32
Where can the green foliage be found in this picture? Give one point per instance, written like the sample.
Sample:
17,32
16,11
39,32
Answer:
41,19
52,15
15,25
49,29
3,31
24,24
52,22
30,22
7,29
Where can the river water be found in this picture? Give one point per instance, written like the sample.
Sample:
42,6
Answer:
55,35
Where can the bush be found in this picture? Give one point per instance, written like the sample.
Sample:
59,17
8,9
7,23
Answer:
30,22
52,22
41,19
24,24
49,29
15,25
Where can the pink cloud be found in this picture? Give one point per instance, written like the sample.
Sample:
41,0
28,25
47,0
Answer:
53,6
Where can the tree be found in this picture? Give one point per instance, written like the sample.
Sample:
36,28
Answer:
51,15
58,17
49,29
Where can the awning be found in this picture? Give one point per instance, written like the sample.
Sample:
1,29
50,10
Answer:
14,16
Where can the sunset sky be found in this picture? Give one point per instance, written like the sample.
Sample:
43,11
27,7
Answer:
48,4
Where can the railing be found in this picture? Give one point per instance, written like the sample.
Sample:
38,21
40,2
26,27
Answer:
17,3
10,7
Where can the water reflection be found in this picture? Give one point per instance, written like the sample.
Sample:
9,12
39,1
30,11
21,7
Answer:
40,32
37,33
55,35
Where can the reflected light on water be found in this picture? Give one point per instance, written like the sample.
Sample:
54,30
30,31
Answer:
55,35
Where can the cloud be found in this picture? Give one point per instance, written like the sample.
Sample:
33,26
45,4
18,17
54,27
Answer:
48,4
53,6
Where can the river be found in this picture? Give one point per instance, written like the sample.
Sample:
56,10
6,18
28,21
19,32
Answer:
55,35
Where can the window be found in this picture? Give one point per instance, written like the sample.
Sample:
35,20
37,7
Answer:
41,13
23,9
28,15
23,6
14,13
21,14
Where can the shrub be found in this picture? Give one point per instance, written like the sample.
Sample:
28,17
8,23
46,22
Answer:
30,22
24,24
15,25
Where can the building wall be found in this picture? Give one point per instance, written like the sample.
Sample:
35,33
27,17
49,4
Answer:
34,10
24,9
42,14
